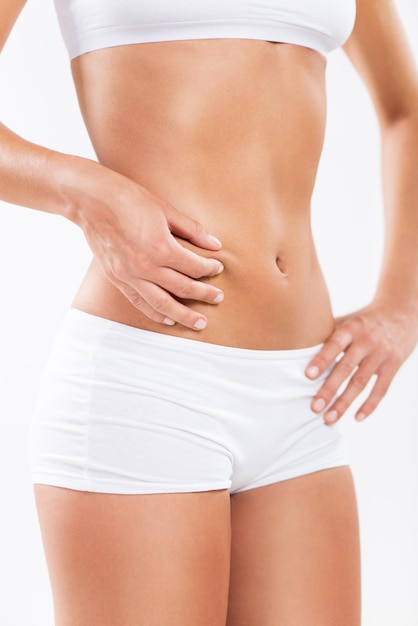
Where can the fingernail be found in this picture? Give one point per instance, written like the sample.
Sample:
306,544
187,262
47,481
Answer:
361,416
169,322
219,298
319,404
200,324
221,268
331,416
312,371
213,239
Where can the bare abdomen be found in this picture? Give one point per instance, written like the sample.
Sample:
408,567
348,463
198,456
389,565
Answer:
230,132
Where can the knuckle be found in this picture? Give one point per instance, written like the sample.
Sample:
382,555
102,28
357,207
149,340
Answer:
360,321
198,228
340,340
160,249
128,266
137,301
195,272
327,393
210,266
341,405
139,264
397,360
369,406
369,339
346,366
110,275
202,269
321,362
373,339
359,381
185,290
116,268
362,325
380,389
161,303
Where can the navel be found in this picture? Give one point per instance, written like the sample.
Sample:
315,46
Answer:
282,266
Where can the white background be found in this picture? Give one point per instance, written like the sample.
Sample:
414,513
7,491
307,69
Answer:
43,257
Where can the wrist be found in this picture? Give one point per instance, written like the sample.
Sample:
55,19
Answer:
80,182
87,188
402,305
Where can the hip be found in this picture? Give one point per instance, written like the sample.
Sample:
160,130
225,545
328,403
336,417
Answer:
262,309
124,410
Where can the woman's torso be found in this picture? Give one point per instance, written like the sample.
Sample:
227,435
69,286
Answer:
230,132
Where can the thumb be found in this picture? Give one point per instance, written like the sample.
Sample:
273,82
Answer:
190,229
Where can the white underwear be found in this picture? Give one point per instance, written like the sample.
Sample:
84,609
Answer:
129,411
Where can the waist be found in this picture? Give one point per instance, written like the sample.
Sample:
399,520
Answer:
230,133
273,300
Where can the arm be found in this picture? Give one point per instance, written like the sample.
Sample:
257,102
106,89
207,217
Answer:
379,51
130,231
378,338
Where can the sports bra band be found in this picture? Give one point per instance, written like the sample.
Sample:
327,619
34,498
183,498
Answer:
88,25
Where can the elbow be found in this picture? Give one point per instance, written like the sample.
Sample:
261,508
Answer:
399,135
403,114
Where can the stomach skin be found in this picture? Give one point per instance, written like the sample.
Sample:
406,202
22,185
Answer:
229,131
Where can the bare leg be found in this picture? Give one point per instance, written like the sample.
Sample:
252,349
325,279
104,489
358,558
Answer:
295,553
136,560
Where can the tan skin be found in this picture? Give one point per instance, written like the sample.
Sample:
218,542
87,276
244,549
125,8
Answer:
240,157
246,121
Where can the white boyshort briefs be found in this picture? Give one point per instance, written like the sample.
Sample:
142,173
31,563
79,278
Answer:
125,410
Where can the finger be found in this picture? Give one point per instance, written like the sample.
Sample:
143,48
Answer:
380,388
135,298
191,264
189,229
187,289
163,303
356,385
342,369
339,320
333,346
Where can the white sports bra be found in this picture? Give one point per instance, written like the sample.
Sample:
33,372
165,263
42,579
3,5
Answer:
88,25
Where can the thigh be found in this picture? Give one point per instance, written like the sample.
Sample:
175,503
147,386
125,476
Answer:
295,553
136,560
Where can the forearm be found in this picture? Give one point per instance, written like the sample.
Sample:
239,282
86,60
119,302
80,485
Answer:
130,231
43,179
398,280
